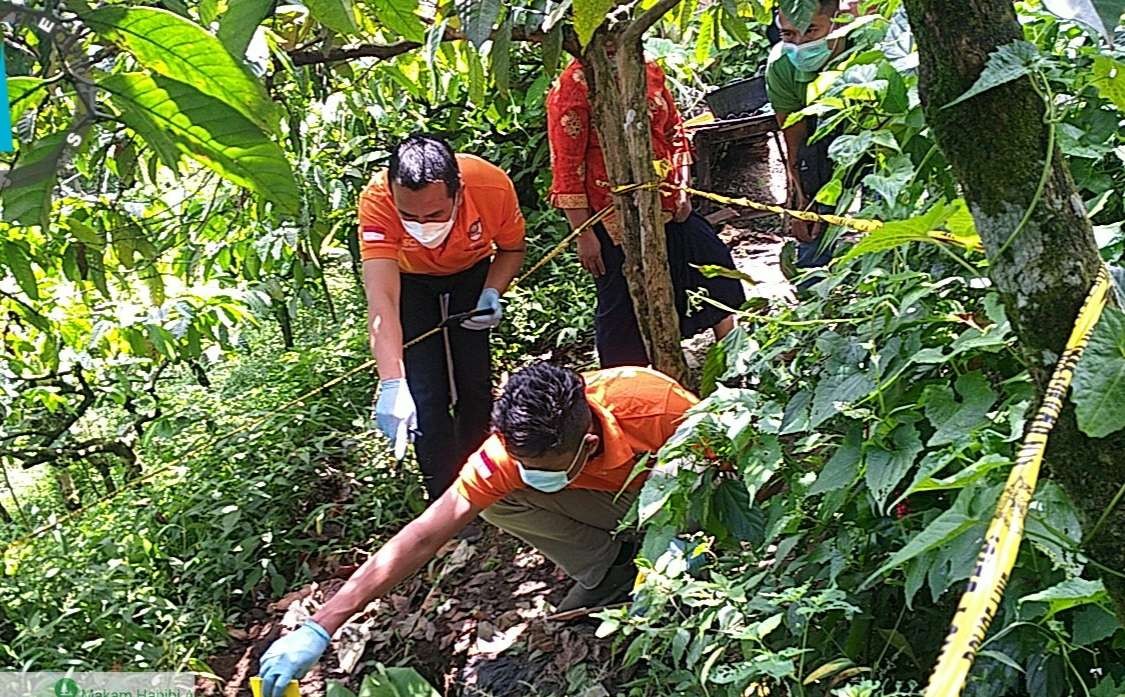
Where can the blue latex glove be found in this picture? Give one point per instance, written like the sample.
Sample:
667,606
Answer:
489,300
396,415
290,657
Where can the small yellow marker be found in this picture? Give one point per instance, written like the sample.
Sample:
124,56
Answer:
291,690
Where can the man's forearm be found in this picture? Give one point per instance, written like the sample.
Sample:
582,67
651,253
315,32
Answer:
505,266
404,554
385,340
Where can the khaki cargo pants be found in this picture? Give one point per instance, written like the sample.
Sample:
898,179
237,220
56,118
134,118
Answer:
573,528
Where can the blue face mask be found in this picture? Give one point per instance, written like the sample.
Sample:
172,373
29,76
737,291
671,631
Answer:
551,481
809,57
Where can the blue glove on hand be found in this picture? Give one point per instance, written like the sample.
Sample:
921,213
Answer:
489,300
396,414
290,657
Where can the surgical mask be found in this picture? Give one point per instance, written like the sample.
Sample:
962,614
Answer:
551,481
809,57
431,235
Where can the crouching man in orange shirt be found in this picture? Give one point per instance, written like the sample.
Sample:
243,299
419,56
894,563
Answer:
552,473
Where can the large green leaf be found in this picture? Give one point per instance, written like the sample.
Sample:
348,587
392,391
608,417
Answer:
1067,594
922,228
240,21
24,94
589,15
396,682
1009,62
1099,380
477,19
954,421
181,50
799,12
18,262
401,17
886,466
337,15
25,191
1109,79
500,57
842,467
206,130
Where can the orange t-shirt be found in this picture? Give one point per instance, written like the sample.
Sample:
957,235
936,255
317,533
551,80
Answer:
639,410
488,218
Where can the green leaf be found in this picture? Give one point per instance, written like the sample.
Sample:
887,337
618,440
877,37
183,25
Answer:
964,477
921,228
954,421
842,468
337,15
500,57
477,19
705,40
181,50
18,262
552,50
336,689
1099,380
1009,62
799,12
208,131
886,468
890,182
24,94
1108,78
1094,623
26,190
843,386
401,17
1070,593
476,77
396,682
1100,15
943,529
240,21
588,16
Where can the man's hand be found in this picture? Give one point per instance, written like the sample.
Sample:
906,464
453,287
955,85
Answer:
590,254
291,656
395,414
489,300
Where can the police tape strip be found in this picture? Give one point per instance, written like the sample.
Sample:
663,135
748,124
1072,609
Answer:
1002,541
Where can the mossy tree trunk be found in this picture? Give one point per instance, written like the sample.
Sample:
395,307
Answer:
619,96
997,145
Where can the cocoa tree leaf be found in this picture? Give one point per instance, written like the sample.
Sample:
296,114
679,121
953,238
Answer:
401,17
176,48
18,261
477,19
238,24
1099,380
207,130
337,15
25,191
588,16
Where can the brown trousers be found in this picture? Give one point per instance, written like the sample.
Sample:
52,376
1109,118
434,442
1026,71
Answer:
574,528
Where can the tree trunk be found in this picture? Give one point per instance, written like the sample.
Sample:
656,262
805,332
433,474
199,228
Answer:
619,96
997,144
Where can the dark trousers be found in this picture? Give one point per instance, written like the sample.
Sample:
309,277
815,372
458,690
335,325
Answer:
447,433
690,243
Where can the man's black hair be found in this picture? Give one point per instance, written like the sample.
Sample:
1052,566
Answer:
423,159
829,7
543,410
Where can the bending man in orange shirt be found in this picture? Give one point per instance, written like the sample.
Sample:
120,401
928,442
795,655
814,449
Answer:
440,235
563,447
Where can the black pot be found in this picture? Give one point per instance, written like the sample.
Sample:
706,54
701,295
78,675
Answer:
739,98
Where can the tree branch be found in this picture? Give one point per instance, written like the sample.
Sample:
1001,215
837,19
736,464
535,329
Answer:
651,16
388,51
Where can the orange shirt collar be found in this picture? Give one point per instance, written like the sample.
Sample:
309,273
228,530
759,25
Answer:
616,450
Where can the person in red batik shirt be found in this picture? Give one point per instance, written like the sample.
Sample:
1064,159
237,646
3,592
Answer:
580,187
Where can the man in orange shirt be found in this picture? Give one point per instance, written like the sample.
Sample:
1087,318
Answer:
441,235
555,473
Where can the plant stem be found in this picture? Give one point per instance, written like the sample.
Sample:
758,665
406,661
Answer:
1048,162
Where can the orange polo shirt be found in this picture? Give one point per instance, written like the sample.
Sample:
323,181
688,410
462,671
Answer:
639,410
488,218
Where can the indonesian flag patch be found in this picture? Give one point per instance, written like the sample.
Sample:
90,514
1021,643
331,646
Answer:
484,465
369,233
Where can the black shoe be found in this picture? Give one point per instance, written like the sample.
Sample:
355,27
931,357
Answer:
614,588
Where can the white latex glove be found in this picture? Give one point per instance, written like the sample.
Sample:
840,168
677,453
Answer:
396,415
489,300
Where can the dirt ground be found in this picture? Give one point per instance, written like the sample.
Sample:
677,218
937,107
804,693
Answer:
475,622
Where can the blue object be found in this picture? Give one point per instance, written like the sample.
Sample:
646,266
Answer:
489,300
291,656
5,108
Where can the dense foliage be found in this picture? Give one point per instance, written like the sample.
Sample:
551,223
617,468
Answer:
177,223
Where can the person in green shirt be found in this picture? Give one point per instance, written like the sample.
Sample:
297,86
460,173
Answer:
793,64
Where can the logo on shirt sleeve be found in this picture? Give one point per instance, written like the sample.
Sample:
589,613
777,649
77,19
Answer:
370,233
475,232
484,465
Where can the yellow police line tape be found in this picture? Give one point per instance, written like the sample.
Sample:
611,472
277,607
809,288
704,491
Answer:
297,401
1002,541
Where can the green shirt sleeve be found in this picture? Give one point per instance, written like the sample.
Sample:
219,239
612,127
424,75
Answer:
786,93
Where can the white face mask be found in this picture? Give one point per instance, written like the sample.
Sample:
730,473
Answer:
431,235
